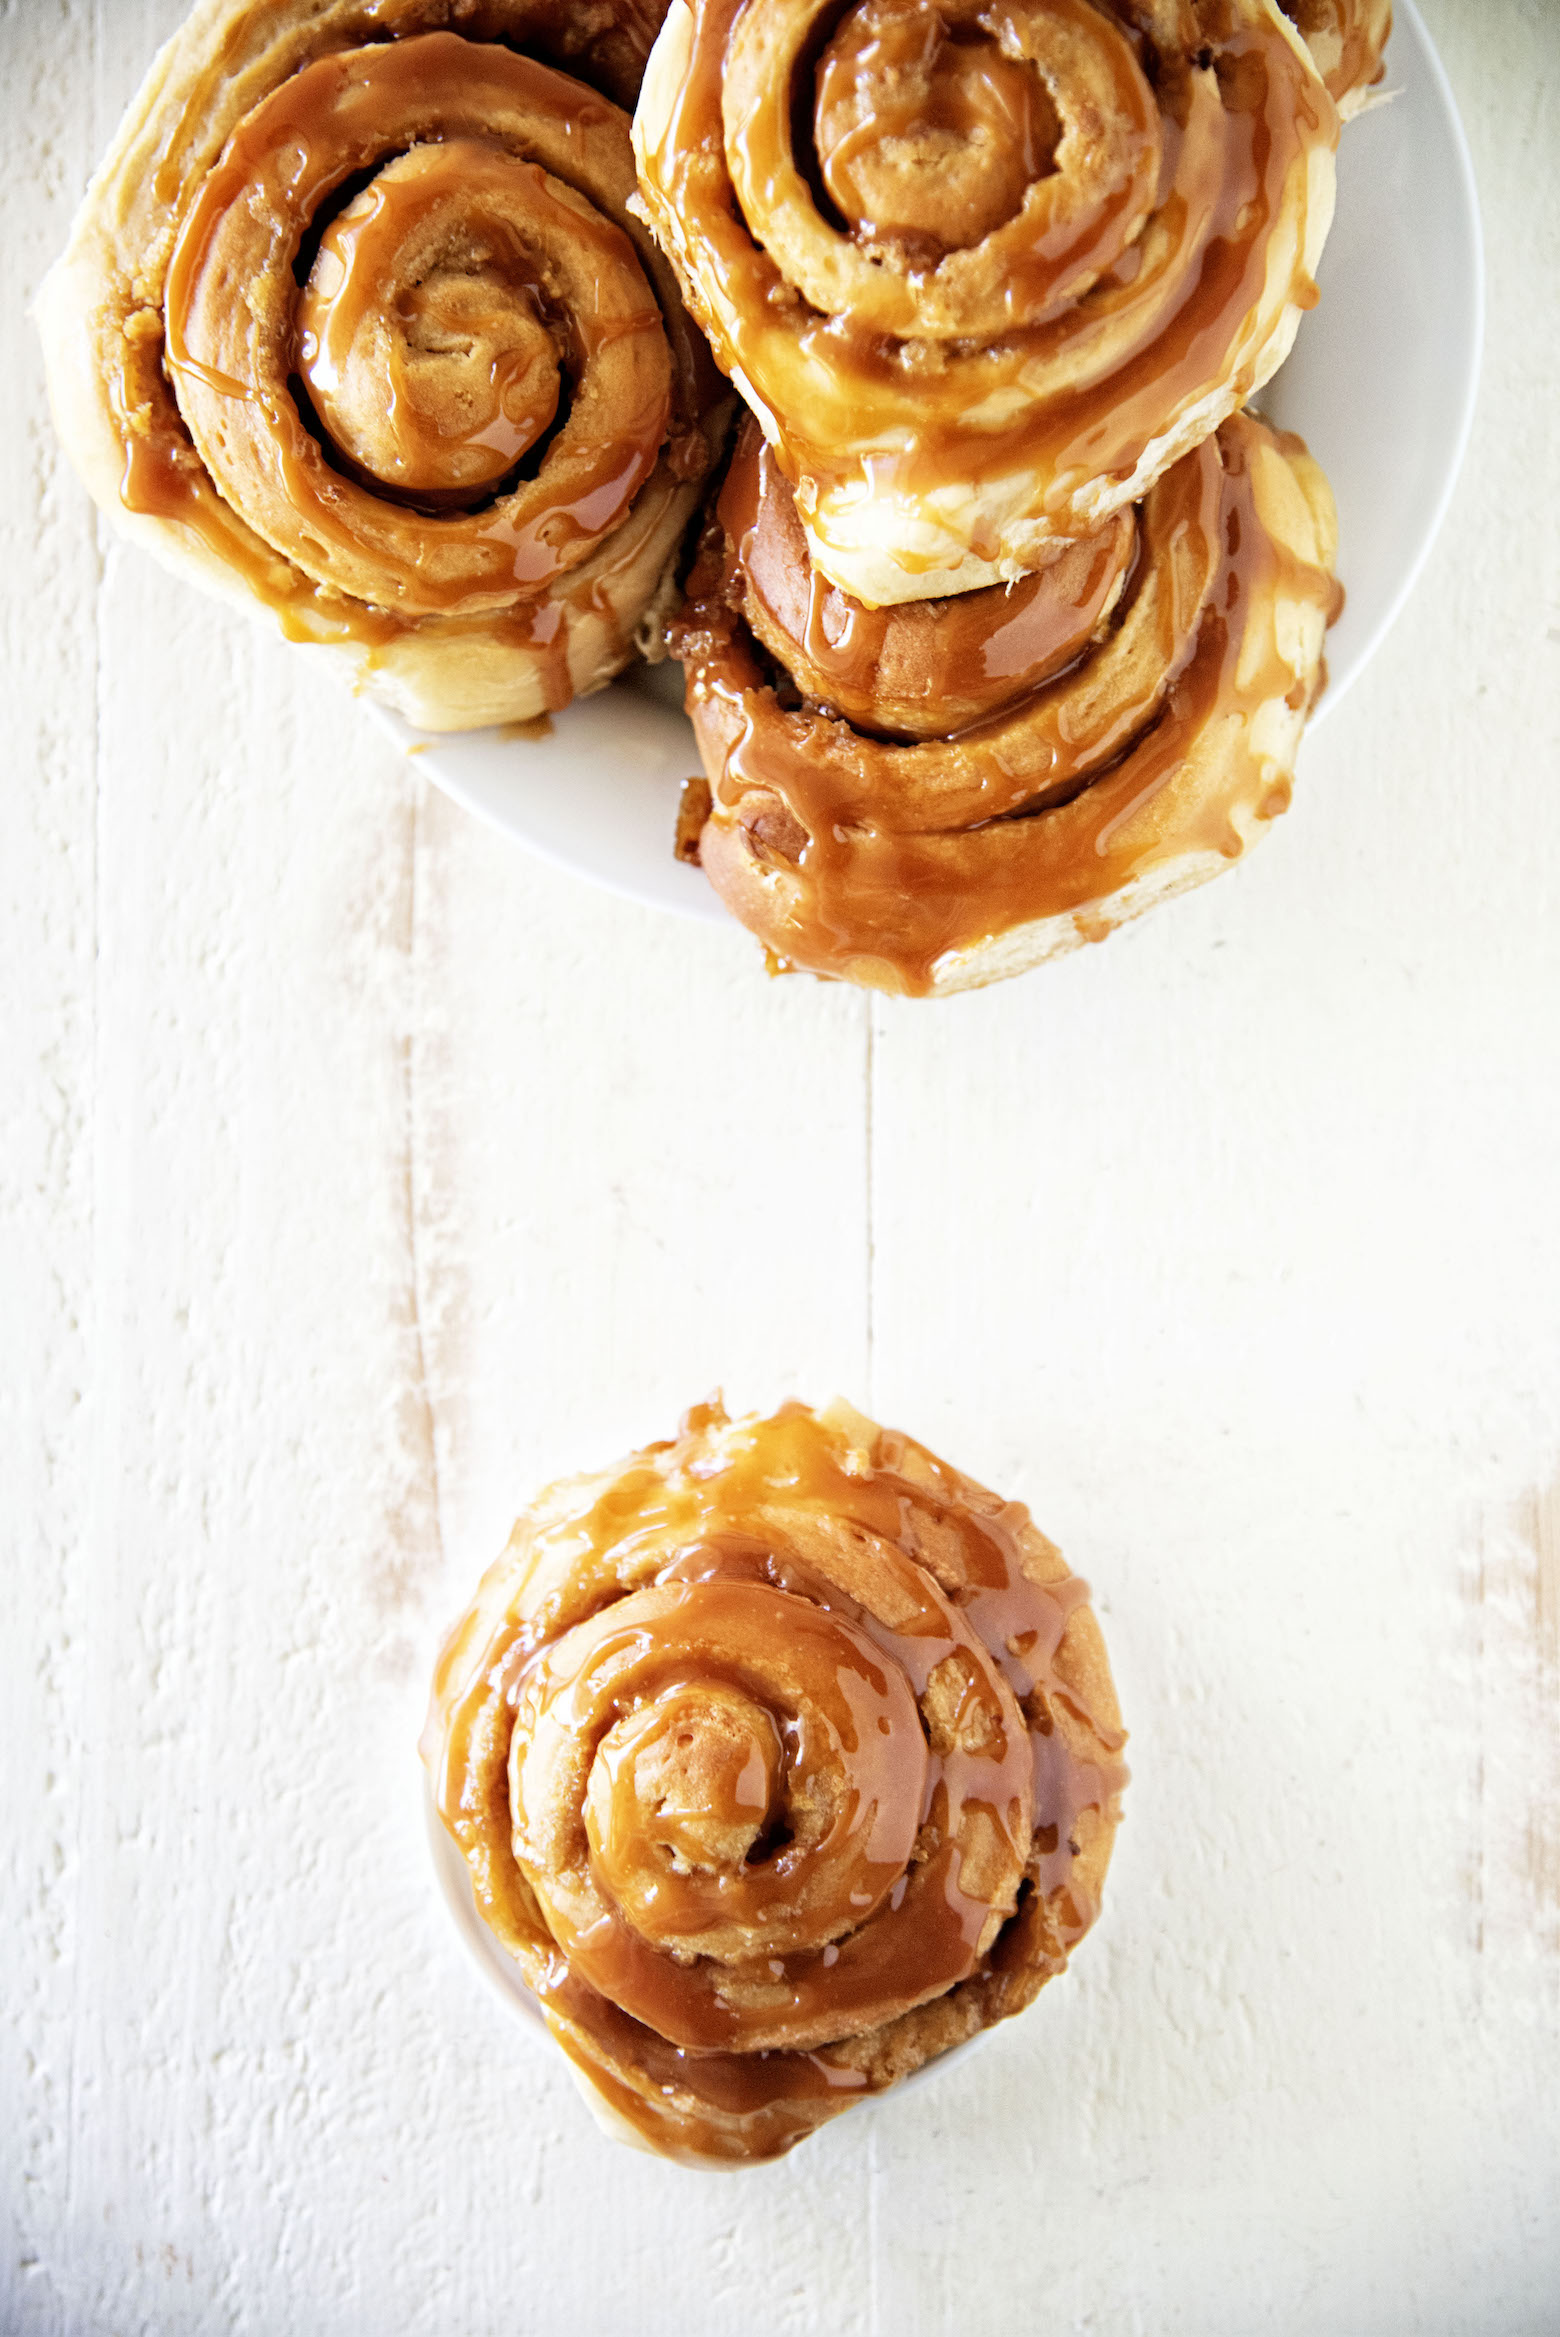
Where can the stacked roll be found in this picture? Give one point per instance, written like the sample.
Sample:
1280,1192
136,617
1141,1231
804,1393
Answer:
997,280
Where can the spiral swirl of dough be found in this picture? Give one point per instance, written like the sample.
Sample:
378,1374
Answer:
782,1758
933,797
356,320
984,270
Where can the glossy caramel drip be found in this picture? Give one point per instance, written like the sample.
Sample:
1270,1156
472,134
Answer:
1159,747
163,479
679,1801
957,115
776,1735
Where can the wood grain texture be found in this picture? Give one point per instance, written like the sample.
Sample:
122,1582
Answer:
360,1173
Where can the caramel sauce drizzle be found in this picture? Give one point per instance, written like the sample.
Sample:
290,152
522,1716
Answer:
887,856
690,1605
890,75
938,78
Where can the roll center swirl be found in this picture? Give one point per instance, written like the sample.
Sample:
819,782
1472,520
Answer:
424,334
695,1776
926,134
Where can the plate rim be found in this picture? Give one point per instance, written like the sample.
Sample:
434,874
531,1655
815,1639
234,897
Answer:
1473,359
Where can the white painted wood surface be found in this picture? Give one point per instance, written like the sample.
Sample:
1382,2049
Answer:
359,1173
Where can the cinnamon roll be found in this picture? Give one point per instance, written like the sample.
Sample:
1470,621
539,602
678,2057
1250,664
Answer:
1347,39
356,322
929,798
984,269
783,1758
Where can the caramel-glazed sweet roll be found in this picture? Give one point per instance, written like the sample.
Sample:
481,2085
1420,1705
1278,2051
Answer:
783,1758
985,269
928,798
356,322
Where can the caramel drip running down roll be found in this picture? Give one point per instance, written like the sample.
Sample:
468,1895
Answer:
933,797
1347,40
783,1758
983,270
356,322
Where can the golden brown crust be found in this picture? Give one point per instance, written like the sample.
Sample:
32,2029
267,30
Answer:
783,1758
182,407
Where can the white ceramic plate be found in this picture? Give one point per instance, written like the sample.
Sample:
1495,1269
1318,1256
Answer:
454,1880
1381,386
